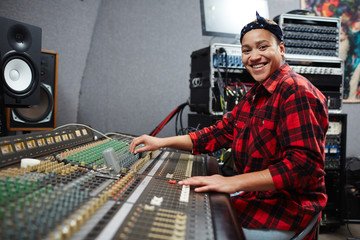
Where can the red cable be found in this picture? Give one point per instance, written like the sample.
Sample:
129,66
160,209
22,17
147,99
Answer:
167,119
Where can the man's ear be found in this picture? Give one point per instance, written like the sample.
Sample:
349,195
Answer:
282,48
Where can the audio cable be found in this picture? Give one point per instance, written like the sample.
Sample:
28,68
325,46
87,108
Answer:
167,119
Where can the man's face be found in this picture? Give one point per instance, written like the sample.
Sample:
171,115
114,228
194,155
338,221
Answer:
261,53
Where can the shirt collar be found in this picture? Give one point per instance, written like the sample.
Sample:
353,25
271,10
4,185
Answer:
271,83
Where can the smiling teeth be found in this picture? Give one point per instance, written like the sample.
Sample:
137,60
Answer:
258,66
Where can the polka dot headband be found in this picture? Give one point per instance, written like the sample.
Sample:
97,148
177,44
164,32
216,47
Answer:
261,23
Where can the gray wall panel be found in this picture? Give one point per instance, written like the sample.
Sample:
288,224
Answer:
138,67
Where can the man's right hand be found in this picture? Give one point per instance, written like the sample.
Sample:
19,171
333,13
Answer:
151,144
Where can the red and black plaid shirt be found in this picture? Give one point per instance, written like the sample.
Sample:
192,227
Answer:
278,125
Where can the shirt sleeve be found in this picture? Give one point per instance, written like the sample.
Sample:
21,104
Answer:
302,128
215,137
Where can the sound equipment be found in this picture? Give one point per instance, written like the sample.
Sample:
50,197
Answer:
217,79
20,49
68,191
43,115
14,148
200,120
327,74
352,190
307,35
312,48
3,130
335,155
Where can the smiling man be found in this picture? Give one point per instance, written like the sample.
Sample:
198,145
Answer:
277,136
262,53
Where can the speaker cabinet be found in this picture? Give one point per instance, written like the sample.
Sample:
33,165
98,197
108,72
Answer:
3,129
41,116
20,50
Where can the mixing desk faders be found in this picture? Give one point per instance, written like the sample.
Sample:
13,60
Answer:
71,192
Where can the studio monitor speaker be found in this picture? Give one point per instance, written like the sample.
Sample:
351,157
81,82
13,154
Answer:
41,116
20,50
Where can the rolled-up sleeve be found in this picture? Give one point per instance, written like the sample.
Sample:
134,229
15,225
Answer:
215,137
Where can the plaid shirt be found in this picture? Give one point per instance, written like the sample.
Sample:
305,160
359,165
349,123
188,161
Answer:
278,125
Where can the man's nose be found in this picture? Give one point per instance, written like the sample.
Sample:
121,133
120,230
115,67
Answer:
254,55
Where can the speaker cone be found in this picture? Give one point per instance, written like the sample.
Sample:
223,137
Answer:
18,75
37,113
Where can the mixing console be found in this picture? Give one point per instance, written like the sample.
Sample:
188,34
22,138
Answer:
72,193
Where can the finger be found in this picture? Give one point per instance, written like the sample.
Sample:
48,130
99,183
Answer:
135,143
142,149
202,189
185,182
192,181
131,146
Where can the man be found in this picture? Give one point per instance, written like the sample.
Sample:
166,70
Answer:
277,135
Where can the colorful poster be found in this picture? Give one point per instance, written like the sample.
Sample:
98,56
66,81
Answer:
349,13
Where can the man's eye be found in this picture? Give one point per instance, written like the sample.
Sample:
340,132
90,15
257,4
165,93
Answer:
245,50
263,47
